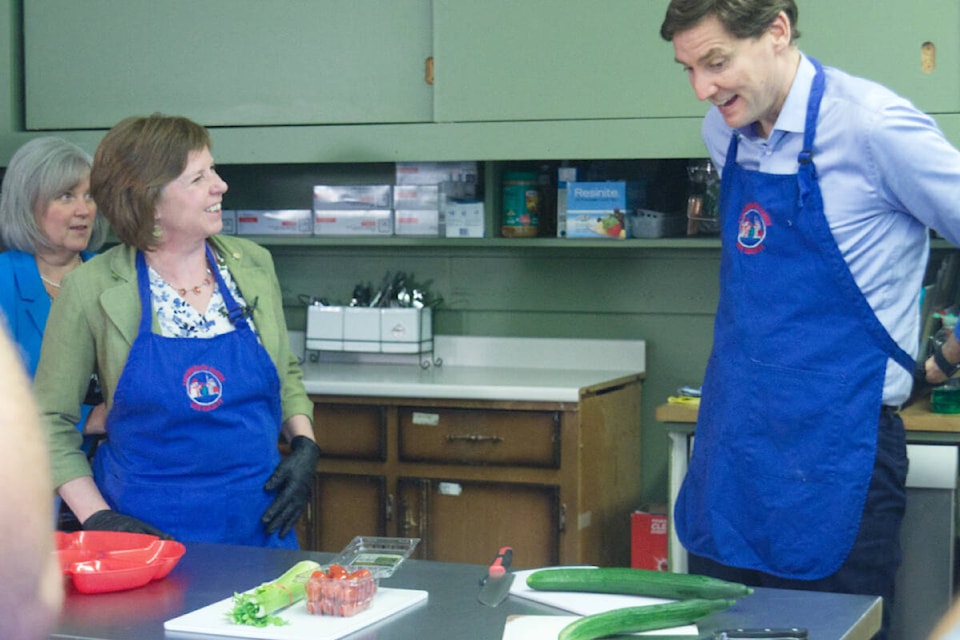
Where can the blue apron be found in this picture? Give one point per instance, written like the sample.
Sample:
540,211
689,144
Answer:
787,433
193,430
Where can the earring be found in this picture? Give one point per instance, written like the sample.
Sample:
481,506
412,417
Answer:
157,231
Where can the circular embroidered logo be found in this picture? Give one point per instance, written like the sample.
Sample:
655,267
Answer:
752,228
204,387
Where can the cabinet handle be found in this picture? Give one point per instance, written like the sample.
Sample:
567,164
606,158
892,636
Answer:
409,524
474,437
428,70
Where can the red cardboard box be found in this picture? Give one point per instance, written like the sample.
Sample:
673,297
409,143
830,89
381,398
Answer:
648,534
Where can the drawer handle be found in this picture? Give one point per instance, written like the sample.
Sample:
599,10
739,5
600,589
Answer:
475,437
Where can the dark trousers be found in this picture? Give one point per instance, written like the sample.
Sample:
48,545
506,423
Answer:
871,567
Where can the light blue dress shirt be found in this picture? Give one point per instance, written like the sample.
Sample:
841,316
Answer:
886,172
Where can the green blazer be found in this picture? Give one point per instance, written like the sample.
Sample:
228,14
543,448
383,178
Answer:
93,323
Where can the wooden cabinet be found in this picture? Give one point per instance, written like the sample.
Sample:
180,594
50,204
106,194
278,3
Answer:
226,62
555,480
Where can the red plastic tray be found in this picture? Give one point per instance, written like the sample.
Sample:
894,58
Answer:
104,561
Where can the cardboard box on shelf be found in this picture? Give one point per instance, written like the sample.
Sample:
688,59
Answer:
352,210
598,209
648,534
352,196
293,222
436,172
229,218
352,222
416,210
463,219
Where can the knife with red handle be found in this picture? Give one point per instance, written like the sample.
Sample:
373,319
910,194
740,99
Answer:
496,584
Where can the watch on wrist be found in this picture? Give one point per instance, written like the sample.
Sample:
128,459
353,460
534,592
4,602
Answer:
948,368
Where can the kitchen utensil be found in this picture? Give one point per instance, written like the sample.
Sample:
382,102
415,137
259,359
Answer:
496,584
767,634
212,619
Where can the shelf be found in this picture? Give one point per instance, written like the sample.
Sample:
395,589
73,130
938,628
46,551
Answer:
488,243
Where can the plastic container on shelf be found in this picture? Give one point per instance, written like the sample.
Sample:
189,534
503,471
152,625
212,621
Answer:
521,205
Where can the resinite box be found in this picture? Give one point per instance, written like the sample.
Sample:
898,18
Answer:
599,209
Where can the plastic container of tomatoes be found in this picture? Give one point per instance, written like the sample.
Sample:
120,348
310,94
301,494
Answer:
340,591
381,556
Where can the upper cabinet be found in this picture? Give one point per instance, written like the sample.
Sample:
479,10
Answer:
913,47
575,60
556,60
536,79
227,62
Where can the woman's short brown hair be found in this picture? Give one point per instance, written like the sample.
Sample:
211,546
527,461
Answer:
133,163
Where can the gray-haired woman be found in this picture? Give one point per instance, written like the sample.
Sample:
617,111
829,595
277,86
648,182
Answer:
48,227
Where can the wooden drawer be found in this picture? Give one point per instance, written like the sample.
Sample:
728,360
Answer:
356,431
471,436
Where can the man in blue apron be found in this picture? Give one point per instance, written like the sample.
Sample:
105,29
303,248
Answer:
829,183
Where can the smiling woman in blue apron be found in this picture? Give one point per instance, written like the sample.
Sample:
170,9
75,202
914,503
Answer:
186,331
829,183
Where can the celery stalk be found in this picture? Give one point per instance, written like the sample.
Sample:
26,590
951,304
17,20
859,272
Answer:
258,606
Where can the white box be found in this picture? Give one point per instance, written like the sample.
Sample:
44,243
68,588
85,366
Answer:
352,222
361,329
406,330
416,196
293,222
436,172
417,222
324,328
352,196
463,219
229,217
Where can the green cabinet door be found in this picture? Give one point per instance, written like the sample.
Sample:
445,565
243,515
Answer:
226,62
885,41
555,60
569,59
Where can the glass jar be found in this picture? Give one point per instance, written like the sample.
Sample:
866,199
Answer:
703,201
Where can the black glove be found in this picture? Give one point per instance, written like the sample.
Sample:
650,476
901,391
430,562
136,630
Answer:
110,520
921,387
294,478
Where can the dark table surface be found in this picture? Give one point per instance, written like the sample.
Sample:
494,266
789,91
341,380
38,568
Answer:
208,573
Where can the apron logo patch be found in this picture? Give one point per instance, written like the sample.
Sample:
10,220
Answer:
204,387
752,229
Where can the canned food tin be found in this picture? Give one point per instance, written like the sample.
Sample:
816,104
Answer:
521,205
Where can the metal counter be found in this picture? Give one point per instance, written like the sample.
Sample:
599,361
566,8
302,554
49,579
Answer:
210,572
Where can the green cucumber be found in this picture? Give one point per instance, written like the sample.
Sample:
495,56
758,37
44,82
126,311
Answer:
639,582
646,618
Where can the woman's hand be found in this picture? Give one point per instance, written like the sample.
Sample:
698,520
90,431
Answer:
293,479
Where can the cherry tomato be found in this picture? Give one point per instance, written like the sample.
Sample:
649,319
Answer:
337,572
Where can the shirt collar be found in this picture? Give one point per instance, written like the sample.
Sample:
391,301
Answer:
793,114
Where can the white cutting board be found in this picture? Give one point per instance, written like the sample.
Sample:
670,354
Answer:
212,619
581,603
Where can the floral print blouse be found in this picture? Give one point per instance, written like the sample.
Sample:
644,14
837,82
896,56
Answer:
178,319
